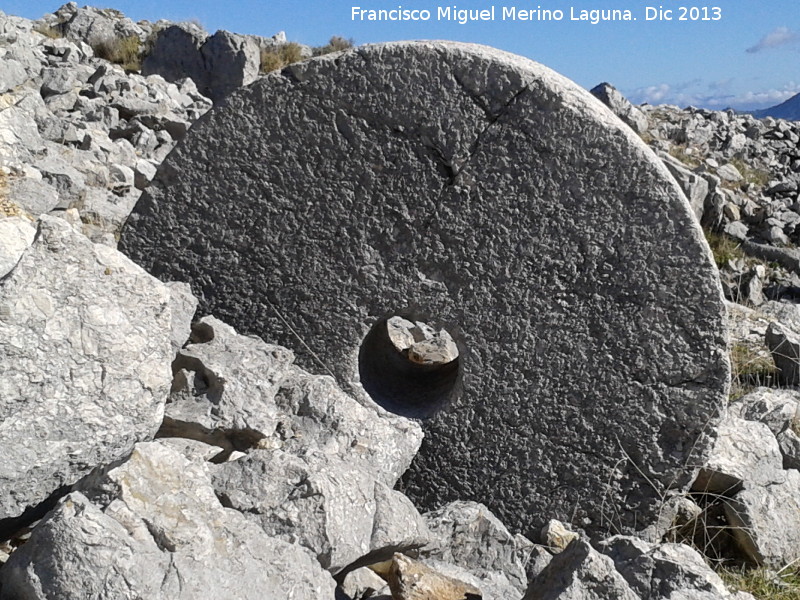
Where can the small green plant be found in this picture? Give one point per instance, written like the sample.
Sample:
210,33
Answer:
273,59
125,51
335,44
762,584
50,31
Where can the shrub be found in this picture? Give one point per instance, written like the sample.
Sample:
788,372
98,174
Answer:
336,44
125,52
273,59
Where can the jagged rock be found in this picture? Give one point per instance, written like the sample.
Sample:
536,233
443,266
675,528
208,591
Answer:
765,520
16,235
35,196
225,383
183,305
155,529
421,343
776,408
144,171
785,347
468,535
337,511
412,580
96,25
737,230
231,61
664,570
364,583
789,443
556,536
84,340
693,185
621,107
729,173
176,54
450,120
744,453
580,573
237,391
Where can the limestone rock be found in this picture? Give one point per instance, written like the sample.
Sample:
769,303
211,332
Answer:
182,305
236,391
412,580
744,453
776,408
693,185
765,520
556,536
468,535
580,573
155,529
176,53
84,340
664,570
620,106
421,343
475,170
16,235
337,511
231,61
365,583
785,347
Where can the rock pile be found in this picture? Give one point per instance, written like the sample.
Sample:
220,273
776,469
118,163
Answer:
79,132
148,455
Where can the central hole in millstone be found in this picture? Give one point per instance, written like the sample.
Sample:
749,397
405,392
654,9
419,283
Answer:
409,367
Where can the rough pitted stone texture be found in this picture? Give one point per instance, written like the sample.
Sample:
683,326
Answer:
84,344
494,196
155,529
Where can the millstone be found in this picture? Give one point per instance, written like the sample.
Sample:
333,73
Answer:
467,189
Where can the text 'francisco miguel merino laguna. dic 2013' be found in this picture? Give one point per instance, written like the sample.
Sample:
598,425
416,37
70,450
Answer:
515,13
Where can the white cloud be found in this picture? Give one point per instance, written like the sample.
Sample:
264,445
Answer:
715,95
780,36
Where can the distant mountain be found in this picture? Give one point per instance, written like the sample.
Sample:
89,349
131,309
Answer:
789,110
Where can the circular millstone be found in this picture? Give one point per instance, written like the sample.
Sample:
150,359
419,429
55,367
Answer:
479,193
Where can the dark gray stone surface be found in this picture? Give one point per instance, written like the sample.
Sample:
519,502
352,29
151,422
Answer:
469,188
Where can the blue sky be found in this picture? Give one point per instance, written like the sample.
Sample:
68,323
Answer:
750,58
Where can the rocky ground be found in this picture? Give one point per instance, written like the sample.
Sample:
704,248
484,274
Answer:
148,456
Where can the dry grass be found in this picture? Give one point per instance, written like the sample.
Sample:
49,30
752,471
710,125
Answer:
336,44
723,248
763,584
273,59
758,177
682,153
126,52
